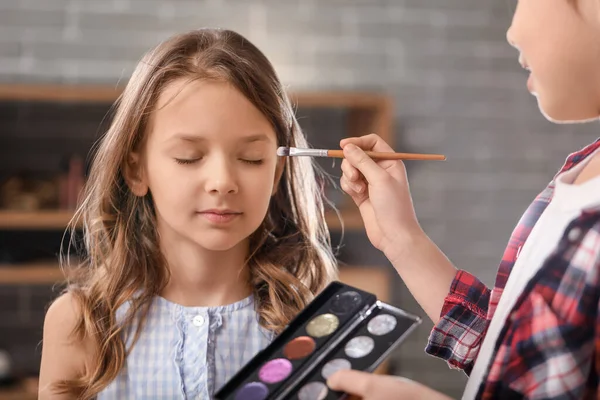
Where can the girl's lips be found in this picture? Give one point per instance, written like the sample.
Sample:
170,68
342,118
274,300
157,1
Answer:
220,217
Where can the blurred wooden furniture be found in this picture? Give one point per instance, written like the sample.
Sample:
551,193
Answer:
367,112
27,390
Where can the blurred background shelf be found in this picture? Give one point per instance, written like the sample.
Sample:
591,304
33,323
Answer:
26,390
35,220
106,93
39,273
17,394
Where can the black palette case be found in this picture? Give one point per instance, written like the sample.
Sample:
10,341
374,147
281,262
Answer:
342,328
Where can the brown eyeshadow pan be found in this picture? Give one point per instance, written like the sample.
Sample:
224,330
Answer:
299,348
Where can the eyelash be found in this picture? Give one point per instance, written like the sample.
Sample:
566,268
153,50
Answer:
184,161
187,162
253,162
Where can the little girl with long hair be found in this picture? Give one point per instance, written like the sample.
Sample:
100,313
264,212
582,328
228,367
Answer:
200,243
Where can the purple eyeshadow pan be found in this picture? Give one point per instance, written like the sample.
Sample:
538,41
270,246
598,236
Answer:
253,391
275,370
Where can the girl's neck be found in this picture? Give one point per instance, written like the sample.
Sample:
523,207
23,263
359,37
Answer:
200,277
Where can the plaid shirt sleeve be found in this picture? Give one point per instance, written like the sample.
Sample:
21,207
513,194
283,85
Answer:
463,323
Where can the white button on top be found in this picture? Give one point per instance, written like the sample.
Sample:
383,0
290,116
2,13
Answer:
198,320
574,234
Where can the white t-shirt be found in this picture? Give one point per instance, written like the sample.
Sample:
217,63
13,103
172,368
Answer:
567,203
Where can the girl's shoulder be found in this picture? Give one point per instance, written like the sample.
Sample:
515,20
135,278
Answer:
65,355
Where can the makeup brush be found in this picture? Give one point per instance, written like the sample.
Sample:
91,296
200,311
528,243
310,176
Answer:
295,152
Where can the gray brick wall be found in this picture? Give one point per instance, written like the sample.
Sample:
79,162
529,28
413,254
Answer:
457,85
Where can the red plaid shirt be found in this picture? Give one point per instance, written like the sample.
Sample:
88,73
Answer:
549,347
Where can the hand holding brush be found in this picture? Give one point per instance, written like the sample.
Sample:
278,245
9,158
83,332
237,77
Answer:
376,155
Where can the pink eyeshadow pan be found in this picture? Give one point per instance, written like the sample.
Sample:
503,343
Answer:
275,370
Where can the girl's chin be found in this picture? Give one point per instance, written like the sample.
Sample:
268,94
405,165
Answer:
557,115
530,85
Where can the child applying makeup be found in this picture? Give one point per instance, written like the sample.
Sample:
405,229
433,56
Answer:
536,333
201,244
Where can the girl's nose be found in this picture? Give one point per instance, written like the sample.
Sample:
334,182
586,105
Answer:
220,178
510,38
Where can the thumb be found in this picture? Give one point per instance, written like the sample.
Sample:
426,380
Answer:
362,162
351,382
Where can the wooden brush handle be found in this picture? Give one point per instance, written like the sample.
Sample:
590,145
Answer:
391,156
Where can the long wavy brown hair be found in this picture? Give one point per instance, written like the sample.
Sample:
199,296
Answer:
291,257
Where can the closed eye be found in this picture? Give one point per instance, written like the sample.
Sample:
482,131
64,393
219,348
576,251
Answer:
186,161
253,162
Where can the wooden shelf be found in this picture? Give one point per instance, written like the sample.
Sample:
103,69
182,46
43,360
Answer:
25,391
17,394
351,218
38,220
58,92
371,279
105,93
368,112
58,220
40,273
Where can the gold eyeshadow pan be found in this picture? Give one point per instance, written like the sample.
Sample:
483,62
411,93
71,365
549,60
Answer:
342,328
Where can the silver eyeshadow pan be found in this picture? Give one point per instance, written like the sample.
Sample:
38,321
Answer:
344,327
382,324
313,391
334,366
359,346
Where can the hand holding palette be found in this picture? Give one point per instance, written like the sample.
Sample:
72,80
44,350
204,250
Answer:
342,328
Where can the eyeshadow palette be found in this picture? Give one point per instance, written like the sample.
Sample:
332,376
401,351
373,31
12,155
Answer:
342,328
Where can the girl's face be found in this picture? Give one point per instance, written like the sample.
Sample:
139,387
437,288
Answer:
210,164
559,42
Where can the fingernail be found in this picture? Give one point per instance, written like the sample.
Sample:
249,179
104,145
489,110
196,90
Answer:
358,188
351,147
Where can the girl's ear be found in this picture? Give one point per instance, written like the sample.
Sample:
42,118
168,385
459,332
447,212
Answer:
134,175
278,173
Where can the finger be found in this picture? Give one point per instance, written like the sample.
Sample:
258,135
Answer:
349,171
352,382
375,143
368,142
365,165
355,189
355,179
357,197
397,170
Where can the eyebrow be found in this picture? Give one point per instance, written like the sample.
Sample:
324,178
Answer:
260,137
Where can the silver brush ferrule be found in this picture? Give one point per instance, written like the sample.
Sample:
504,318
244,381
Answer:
308,152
